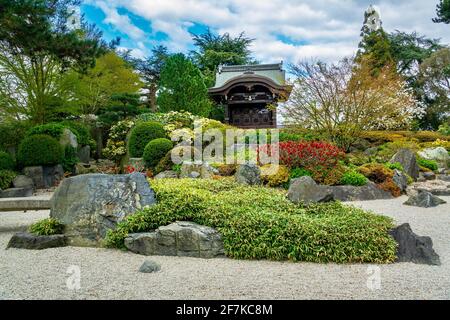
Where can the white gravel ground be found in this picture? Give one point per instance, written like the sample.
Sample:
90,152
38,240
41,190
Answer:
112,274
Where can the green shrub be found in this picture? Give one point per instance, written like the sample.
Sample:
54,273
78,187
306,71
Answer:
261,223
155,150
142,134
54,130
6,178
47,227
444,129
70,158
353,178
12,133
6,161
299,172
429,164
37,150
393,166
274,176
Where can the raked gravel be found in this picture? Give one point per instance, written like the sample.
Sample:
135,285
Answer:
113,274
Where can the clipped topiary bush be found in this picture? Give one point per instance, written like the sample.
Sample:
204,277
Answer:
6,178
6,161
155,150
353,178
376,172
261,223
54,130
47,227
142,134
39,150
274,176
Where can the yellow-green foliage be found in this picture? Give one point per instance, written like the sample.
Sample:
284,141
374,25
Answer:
274,176
435,144
376,172
261,223
379,137
388,150
47,227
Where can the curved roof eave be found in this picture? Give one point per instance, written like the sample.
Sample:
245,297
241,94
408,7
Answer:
245,78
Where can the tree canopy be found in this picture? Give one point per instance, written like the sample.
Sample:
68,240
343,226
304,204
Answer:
443,12
182,87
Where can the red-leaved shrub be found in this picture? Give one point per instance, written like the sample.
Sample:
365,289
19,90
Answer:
316,156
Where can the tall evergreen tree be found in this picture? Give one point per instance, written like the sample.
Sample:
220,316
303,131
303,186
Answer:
182,87
443,12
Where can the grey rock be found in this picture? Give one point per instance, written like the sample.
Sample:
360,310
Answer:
424,199
185,239
429,176
440,155
197,170
16,193
85,168
84,154
68,138
362,193
249,174
89,205
371,151
408,160
25,240
53,175
435,187
414,248
149,266
444,177
306,190
169,174
400,179
36,174
22,181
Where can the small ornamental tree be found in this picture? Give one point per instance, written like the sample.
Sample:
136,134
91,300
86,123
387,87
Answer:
182,87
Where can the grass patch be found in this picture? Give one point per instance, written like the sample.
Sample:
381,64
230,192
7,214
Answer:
261,223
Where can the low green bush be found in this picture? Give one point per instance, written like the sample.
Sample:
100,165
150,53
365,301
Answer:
54,130
142,134
12,133
155,150
394,166
6,161
47,227
429,164
6,178
261,223
37,150
353,178
299,172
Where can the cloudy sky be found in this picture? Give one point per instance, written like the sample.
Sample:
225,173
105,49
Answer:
287,30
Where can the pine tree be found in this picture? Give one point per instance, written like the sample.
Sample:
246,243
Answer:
443,12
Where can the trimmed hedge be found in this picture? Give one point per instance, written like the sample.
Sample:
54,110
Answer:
429,164
39,150
353,178
155,150
142,134
54,130
6,161
261,223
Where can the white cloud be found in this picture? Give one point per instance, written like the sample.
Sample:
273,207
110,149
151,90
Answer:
286,30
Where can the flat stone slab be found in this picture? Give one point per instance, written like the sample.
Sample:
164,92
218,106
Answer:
26,240
16,192
24,204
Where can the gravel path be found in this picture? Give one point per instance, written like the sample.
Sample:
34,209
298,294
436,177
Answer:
112,274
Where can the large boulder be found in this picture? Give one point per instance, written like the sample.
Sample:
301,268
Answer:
408,160
89,205
249,174
25,240
169,174
306,190
414,248
362,193
44,176
440,155
424,199
85,168
68,138
184,239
